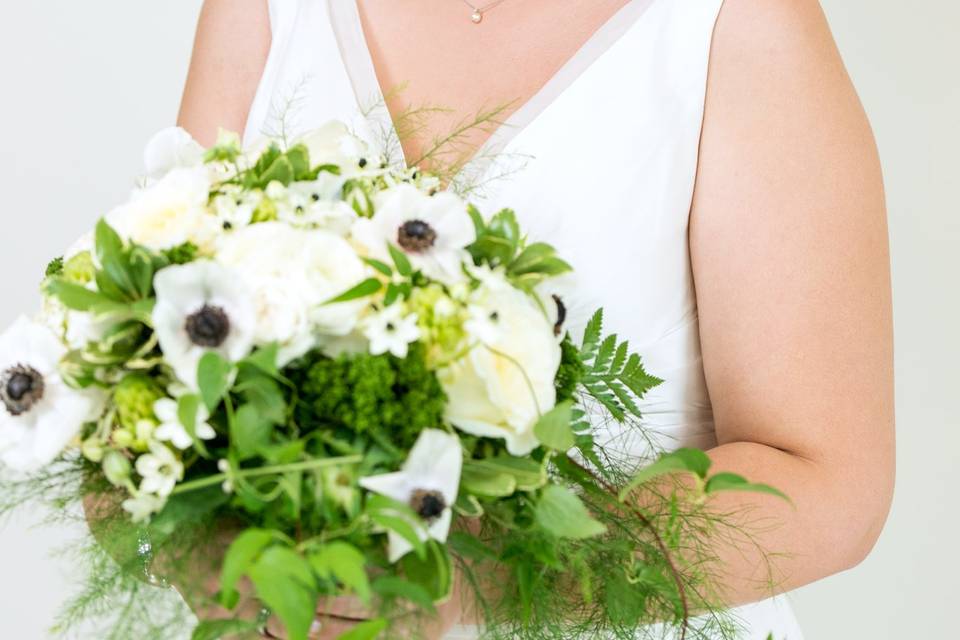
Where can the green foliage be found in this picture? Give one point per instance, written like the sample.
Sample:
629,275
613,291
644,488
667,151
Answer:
284,582
614,377
285,167
182,254
571,372
54,267
561,513
388,398
213,378
554,427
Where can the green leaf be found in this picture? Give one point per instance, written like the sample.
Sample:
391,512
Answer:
471,547
346,563
241,555
394,587
264,359
381,267
213,378
366,288
486,482
285,583
188,406
263,392
299,157
526,474
479,225
434,572
75,296
281,171
553,429
251,431
397,517
561,513
404,268
680,461
217,629
733,482
365,630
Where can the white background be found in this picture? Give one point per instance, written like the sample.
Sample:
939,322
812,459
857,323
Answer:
84,84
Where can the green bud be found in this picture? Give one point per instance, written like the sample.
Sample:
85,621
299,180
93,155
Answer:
116,468
122,439
92,450
134,398
80,268
266,212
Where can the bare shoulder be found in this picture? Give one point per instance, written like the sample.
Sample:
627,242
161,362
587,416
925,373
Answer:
230,51
789,241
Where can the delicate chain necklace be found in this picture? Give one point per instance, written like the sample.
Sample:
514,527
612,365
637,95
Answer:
478,11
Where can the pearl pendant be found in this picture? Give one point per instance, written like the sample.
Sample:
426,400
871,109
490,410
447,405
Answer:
476,17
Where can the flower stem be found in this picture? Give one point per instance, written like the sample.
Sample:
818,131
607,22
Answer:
306,465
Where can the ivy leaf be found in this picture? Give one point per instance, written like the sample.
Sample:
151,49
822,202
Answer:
76,297
264,359
250,431
213,378
239,558
733,482
561,513
365,630
285,583
346,563
692,461
366,288
553,429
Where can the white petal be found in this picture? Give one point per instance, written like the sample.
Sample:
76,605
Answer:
393,485
440,529
169,149
437,460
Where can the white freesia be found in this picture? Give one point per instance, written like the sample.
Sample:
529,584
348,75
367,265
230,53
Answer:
159,470
171,148
428,483
39,414
290,273
172,430
390,331
169,213
202,306
505,382
433,231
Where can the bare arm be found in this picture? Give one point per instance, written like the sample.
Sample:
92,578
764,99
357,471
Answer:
231,48
790,255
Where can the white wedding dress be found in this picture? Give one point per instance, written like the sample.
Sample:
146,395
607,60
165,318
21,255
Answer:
610,150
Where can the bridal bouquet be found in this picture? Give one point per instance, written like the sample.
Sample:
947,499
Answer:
311,375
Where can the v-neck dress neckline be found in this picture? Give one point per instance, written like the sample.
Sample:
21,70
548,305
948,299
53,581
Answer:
371,97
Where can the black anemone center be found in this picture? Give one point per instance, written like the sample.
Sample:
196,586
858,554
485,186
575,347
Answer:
428,504
416,236
21,388
208,327
561,315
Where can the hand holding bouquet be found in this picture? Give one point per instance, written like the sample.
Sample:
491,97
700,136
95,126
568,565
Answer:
368,380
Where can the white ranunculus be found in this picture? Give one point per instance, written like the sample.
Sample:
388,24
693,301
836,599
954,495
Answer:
291,274
169,213
171,148
428,483
505,382
433,231
202,306
39,414
333,143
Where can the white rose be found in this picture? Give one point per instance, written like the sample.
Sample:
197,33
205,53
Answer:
293,272
502,386
169,213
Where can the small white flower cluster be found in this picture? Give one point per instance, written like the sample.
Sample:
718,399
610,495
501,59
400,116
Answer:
271,263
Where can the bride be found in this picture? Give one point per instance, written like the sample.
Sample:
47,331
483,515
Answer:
710,159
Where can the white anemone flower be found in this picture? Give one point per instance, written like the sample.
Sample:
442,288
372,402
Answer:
389,331
433,231
172,148
172,430
428,483
201,306
39,414
142,506
160,470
